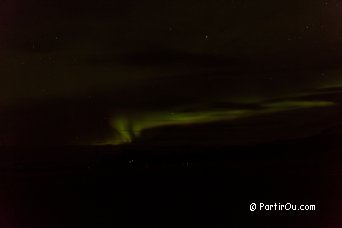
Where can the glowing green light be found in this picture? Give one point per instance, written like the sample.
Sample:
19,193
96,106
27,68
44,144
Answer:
130,127
286,105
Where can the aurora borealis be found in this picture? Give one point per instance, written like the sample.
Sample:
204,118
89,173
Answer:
103,73
130,127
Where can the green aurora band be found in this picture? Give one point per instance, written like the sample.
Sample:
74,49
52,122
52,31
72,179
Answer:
130,126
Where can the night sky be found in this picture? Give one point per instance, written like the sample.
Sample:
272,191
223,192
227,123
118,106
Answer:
112,72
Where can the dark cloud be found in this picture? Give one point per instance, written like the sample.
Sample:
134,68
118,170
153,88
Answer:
68,67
